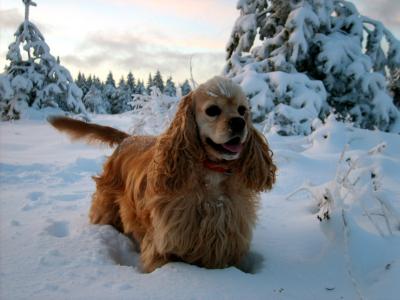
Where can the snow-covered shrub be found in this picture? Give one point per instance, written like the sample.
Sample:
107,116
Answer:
152,113
36,77
293,101
358,183
356,187
331,45
94,101
358,201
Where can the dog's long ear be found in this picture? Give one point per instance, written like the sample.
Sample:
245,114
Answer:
178,150
256,166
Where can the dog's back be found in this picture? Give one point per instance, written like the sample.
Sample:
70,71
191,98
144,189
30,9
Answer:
125,169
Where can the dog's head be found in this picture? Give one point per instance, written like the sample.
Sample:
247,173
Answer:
222,117
213,123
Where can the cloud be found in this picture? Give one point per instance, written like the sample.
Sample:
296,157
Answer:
171,33
123,52
220,12
10,19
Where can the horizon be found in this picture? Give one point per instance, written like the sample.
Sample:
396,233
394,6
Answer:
128,35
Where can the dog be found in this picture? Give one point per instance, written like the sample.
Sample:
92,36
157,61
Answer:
190,194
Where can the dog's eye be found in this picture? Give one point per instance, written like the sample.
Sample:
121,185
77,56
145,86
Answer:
213,111
242,110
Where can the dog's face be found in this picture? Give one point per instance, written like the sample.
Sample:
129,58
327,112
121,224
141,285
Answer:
213,122
222,117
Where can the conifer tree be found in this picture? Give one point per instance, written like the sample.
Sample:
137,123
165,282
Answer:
149,85
110,80
98,83
109,91
82,83
6,91
140,88
185,88
89,81
313,57
131,82
94,101
158,81
124,97
170,89
36,77
394,86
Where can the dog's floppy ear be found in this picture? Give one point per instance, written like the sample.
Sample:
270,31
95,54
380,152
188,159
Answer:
256,166
177,152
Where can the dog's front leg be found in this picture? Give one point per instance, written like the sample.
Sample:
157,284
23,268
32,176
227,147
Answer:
149,257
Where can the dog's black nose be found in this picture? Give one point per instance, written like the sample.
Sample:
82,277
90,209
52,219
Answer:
237,124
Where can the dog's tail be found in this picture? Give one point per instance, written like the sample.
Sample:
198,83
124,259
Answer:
92,133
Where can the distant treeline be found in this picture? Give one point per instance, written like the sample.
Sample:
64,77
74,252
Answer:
110,97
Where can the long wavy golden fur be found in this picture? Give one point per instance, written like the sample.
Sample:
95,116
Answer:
160,191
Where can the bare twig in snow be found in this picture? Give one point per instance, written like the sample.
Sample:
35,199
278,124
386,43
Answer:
346,236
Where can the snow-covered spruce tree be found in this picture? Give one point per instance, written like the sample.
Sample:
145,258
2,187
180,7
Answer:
109,91
115,102
89,80
170,89
98,83
131,82
124,97
6,91
185,88
158,81
149,84
5,86
313,56
82,83
140,88
94,101
394,86
36,77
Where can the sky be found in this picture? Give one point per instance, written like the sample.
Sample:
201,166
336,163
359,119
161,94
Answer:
96,36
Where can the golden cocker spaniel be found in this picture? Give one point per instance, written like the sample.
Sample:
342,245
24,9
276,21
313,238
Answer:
190,194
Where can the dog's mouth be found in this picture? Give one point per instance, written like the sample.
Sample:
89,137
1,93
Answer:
233,146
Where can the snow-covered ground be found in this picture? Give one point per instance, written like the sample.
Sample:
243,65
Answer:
48,250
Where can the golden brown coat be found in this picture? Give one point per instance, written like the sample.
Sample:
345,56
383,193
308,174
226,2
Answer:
158,190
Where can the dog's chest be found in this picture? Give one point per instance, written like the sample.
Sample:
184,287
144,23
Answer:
210,225
215,193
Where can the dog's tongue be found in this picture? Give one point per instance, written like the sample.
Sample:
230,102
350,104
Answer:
235,148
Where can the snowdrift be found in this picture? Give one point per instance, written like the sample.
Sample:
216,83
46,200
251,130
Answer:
48,250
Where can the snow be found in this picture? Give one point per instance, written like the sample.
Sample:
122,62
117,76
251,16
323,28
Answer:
94,101
301,100
48,250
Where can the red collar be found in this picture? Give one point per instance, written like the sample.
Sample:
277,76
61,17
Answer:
213,166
